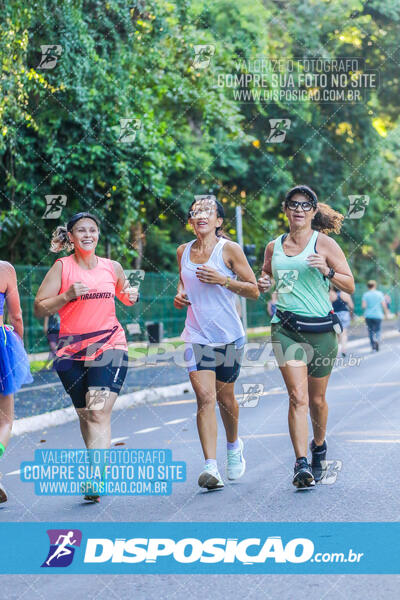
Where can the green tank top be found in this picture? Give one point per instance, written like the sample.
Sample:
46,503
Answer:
301,289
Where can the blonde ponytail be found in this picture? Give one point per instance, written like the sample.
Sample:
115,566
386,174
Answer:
60,240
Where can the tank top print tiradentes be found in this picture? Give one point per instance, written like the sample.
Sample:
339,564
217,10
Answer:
88,324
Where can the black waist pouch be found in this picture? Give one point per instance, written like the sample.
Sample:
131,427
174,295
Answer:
298,323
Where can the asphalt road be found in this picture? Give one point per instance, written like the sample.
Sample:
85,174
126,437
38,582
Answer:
46,393
363,445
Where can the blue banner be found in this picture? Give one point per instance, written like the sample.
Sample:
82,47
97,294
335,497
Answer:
287,548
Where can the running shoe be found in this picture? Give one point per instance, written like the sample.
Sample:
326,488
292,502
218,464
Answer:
318,461
3,494
303,477
90,491
377,346
236,465
210,478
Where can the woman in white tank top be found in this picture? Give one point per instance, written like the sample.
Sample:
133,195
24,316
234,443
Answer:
209,267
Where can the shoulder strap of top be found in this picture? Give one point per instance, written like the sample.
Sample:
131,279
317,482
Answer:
278,243
221,242
186,252
313,241
217,252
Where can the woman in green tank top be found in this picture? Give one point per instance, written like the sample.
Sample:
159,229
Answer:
302,263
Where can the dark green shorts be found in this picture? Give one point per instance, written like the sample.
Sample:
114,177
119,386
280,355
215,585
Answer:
317,350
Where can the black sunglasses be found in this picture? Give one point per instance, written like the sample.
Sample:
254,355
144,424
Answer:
293,204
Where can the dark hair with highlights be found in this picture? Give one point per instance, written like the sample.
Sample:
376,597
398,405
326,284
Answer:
326,219
219,231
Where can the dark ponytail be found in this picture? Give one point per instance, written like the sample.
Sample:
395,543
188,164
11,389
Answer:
326,219
219,231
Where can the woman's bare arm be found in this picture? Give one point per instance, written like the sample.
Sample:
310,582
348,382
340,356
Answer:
126,294
48,300
12,298
236,260
330,255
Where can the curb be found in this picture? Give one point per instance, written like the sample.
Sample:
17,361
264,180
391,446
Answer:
147,396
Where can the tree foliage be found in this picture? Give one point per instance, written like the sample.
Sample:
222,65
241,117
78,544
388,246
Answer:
60,127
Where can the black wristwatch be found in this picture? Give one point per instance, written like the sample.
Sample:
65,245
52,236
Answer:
330,274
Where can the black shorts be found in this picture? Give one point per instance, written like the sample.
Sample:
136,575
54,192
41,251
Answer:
225,360
106,372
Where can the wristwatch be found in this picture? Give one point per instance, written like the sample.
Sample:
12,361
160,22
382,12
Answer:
330,274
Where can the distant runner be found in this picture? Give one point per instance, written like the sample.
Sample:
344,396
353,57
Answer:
343,306
374,305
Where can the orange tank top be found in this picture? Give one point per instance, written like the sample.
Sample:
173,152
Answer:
88,324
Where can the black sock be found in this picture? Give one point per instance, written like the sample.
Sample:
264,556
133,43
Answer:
318,448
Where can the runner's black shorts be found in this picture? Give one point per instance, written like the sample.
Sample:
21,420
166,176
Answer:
106,372
224,360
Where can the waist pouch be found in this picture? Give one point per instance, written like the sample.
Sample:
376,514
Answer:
296,323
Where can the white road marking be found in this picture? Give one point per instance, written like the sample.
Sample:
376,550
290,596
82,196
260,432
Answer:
38,387
17,472
119,439
375,441
147,430
175,421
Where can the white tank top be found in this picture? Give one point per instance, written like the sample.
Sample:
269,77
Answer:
212,318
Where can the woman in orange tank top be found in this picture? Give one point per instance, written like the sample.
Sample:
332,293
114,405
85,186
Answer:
91,357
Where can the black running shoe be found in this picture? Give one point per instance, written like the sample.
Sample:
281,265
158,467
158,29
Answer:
318,461
377,346
303,477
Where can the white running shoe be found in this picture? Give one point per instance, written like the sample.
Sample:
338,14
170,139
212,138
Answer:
236,465
3,494
210,478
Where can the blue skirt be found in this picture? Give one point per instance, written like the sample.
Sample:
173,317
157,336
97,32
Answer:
14,362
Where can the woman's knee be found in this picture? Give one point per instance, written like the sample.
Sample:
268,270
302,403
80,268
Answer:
298,398
226,398
206,402
6,424
318,400
94,417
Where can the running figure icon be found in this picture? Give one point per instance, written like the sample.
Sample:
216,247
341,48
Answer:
62,549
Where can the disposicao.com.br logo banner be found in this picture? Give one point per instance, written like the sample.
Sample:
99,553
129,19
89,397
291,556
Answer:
200,548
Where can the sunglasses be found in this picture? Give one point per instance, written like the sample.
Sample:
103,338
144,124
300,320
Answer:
201,211
293,204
